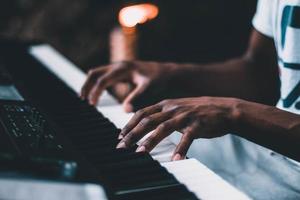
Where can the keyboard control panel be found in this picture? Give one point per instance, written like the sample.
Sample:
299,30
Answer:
28,127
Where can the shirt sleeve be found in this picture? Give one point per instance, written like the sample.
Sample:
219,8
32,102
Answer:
263,18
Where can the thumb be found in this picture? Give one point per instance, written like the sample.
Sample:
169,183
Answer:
136,93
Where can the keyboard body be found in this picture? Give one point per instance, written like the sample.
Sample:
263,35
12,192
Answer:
54,123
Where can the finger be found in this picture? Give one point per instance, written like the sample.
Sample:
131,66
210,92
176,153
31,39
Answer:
121,90
90,81
149,96
139,115
138,91
105,81
183,146
161,133
145,126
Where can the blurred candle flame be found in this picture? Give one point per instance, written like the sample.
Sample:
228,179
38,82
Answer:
130,16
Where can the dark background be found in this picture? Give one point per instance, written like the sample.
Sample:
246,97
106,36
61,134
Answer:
185,31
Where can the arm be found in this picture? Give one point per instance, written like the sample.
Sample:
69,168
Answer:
270,127
209,117
254,76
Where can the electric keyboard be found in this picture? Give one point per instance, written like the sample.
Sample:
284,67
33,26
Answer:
83,134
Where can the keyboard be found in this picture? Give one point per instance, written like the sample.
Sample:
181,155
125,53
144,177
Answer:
28,129
77,131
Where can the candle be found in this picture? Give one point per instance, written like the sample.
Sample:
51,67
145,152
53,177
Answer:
123,44
123,39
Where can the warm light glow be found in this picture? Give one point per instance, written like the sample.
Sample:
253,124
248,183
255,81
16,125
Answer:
137,14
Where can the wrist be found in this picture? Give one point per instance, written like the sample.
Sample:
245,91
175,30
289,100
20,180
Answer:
236,114
188,78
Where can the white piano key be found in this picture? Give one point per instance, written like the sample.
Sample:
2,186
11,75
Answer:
108,106
163,151
35,190
65,70
116,114
198,178
75,78
10,92
202,181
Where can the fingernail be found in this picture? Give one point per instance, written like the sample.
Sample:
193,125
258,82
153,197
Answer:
177,157
122,131
92,102
120,137
90,98
121,145
141,149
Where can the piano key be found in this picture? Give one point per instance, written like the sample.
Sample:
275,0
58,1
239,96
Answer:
172,192
203,182
80,124
75,78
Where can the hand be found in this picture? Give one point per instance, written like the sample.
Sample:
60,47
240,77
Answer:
203,117
146,77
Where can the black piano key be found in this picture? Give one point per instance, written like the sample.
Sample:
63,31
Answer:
115,158
95,140
138,174
112,155
173,192
126,164
105,131
158,174
146,185
94,126
105,144
86,122
95,137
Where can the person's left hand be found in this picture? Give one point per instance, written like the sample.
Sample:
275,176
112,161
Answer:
202,117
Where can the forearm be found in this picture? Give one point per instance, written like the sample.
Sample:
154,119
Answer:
234,78
253,77
268,126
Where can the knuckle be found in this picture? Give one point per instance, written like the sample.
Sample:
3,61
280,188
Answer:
146,121
175,108
126,128
151,141
184,117
91,72
141,113
101,81
189,130
164,126
206,99
165,102
127,139
187,138
154,138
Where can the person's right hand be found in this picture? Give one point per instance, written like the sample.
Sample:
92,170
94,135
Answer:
146,77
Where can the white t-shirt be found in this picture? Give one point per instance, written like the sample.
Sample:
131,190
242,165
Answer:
280,19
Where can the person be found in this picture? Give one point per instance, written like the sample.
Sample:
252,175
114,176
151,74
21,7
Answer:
236,96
